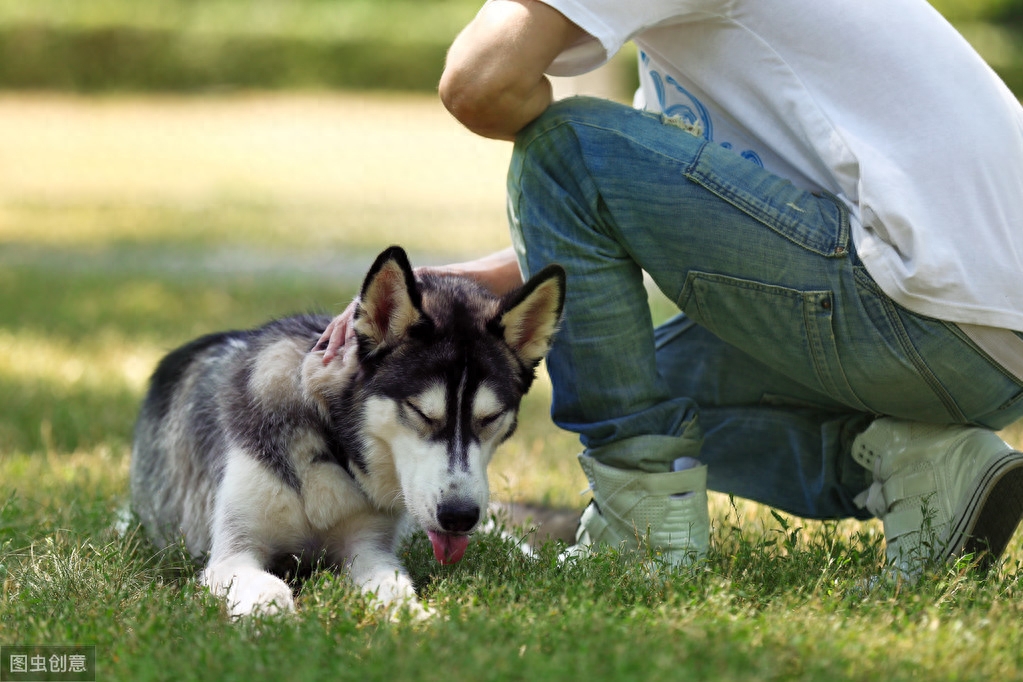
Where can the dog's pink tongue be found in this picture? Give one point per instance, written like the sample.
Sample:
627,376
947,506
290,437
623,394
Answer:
448,548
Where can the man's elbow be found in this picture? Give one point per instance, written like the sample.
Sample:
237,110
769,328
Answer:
460,97
475,105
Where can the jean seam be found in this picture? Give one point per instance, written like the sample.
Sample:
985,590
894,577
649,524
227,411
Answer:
845,246
827,361
1008,404
765,214
541,130
905,342
959,334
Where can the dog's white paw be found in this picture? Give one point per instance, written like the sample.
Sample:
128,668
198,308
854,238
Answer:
250,591
395,593
412,610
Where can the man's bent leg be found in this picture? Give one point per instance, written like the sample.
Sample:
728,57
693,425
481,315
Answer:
607,386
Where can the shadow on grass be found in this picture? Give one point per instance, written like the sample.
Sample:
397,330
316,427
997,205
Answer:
79,342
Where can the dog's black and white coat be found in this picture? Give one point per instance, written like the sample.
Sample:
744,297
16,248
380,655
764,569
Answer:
255,452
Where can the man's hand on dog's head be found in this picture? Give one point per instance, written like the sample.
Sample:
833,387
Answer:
338,334
498,272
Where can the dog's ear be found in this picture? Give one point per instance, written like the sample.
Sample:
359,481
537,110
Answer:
530,315
389,303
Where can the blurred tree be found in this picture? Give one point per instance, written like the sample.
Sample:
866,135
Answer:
1007,12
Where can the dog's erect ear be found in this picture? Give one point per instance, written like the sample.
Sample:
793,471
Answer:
389,303
530,315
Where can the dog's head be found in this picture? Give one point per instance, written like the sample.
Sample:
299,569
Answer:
441,367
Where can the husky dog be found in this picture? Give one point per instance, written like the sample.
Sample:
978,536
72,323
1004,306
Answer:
261,456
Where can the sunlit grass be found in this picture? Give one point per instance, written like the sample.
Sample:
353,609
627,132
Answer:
306,172
34,358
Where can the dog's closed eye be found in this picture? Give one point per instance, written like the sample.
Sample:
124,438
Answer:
419,413
491,425
488,420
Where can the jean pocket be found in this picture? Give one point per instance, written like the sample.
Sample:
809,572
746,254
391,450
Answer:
816,222
788,330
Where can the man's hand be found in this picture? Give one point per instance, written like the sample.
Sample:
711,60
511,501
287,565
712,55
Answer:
493,81
339,334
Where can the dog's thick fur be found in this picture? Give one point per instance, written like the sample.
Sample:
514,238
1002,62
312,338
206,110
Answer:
261,456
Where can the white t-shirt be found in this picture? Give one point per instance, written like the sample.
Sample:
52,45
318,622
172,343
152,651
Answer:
880,102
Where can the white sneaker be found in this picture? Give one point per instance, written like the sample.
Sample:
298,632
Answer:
664,515
941,491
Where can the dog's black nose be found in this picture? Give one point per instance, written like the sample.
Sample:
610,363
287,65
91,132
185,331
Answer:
458,517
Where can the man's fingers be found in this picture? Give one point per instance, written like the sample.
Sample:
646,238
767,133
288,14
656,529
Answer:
335,339
340,333
325,336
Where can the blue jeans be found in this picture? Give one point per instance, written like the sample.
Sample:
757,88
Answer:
785,349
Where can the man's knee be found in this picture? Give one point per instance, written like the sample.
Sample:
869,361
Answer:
568,113
556,143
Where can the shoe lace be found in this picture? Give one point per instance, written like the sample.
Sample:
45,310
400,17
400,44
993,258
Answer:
873,498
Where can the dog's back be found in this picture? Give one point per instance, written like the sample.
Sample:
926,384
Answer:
194,408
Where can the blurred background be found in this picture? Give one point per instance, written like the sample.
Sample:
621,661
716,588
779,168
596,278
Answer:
394,45
203,45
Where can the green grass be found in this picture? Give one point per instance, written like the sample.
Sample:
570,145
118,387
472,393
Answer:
769,605
104,269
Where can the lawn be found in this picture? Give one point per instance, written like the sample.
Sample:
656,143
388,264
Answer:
131,224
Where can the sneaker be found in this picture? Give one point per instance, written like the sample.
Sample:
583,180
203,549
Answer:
664,515
941,491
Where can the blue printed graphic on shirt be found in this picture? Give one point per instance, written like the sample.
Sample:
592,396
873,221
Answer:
687,107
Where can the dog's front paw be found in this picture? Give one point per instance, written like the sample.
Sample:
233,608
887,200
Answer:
412,610
395,594
269,596
250,591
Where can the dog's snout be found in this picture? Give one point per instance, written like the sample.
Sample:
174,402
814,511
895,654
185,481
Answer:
458,517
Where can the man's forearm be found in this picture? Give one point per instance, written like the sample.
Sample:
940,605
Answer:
498,271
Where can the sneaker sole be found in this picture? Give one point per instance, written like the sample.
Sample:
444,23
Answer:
991,516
